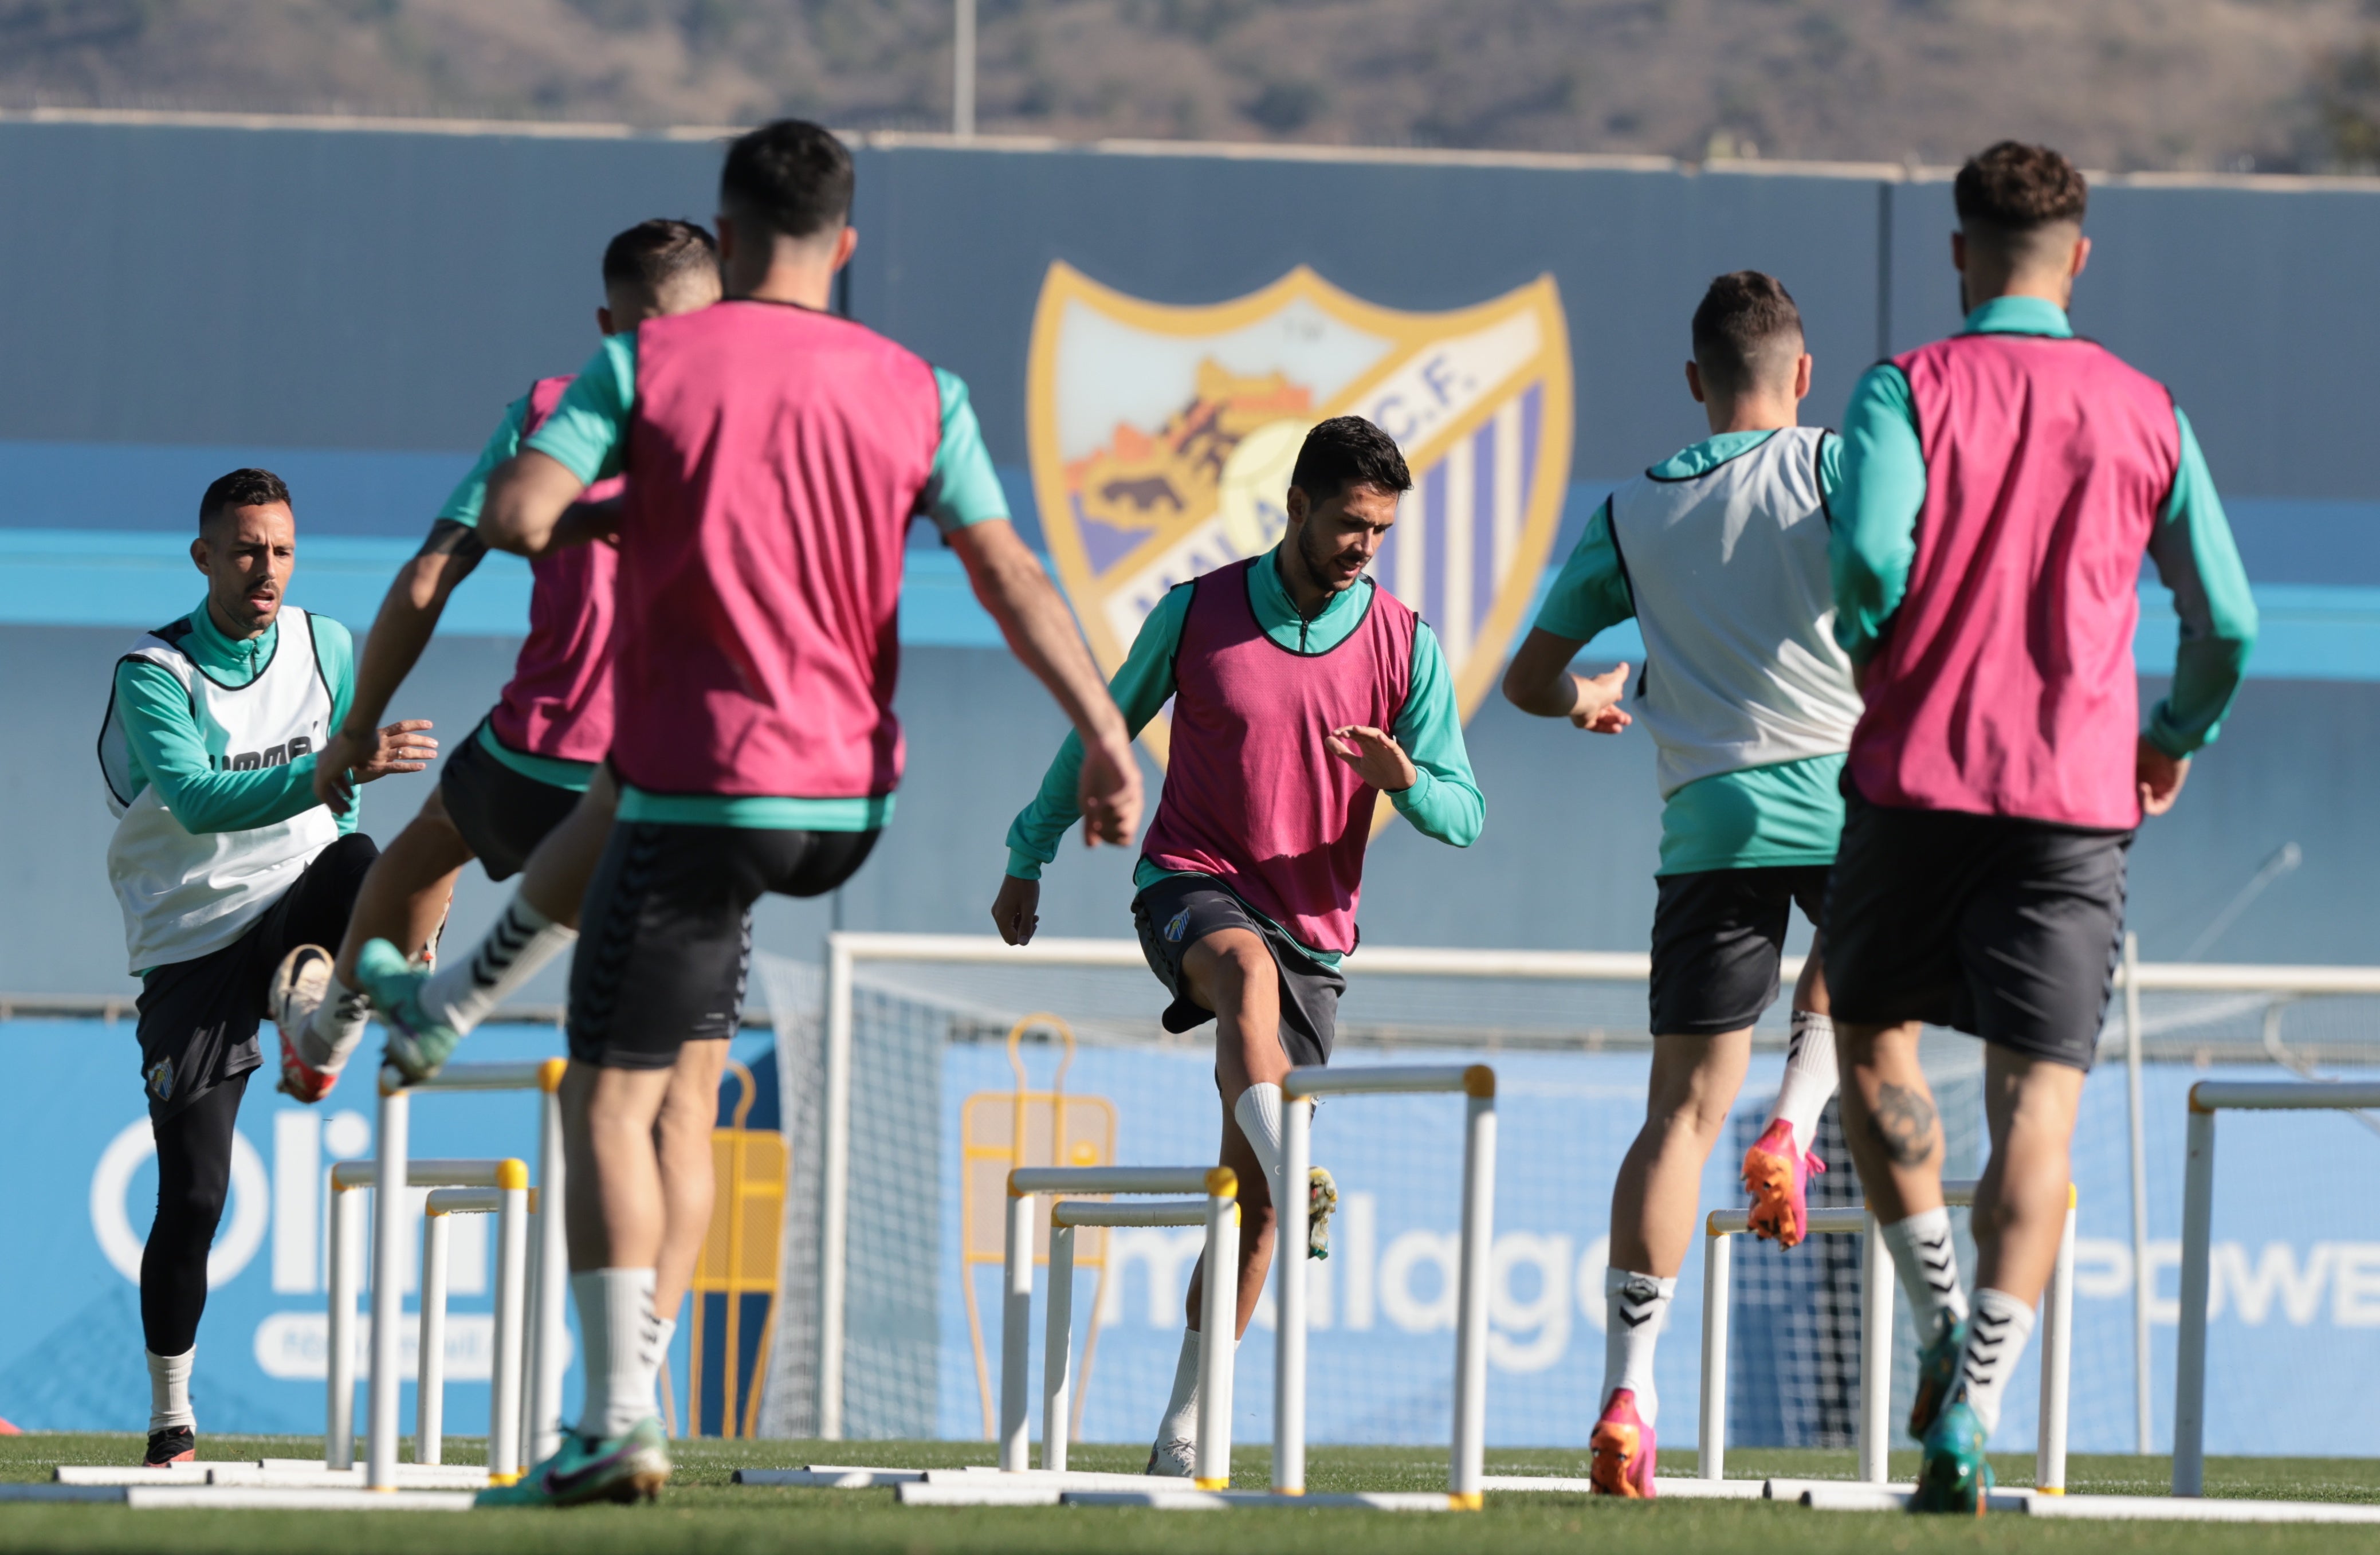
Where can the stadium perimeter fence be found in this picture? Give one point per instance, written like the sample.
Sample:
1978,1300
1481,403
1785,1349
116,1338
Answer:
875,1045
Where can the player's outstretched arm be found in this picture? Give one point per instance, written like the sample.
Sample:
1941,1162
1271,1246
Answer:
529,496
1042,633
407,617
1539,681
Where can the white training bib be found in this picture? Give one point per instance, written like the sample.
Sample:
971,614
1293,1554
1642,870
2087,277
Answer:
1729,573
185,895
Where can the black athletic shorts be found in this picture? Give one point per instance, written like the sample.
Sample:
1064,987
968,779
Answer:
1717,936
666,929
502,813
1180,910
2003,928
198,1019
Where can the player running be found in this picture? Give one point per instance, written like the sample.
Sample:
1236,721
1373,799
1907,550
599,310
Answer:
1720,555
1302,691
222,859
1998,489
775,456
523,769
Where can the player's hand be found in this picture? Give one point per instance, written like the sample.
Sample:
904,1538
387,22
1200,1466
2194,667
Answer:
2161,777
350,759
1378,758
1108,789
1597,709
1017,909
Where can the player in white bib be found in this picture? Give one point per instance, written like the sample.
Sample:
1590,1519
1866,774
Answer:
223,860
1719,554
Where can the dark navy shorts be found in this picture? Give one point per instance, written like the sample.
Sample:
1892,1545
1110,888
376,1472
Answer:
1718,938
1180,910
501,813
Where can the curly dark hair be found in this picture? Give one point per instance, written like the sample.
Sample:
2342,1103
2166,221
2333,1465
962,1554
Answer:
1348,451
2013,188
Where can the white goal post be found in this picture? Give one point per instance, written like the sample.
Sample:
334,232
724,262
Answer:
845,952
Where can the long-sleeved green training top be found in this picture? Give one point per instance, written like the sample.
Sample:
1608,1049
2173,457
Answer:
1444,801
208,752
1883,489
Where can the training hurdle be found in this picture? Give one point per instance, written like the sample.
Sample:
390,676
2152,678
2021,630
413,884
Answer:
1876,1294
508,1200
1477,1084
1219,1211
537,1390
2206,1098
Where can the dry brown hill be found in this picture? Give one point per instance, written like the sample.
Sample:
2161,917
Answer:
2199,84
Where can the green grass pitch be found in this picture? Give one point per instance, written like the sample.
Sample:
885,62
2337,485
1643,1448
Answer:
702,1511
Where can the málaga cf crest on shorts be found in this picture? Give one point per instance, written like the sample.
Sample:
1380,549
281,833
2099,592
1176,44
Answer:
1162,439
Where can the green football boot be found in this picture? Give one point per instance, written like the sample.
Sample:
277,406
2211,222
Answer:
1955,1476
1938,1373
628,1468
418,1045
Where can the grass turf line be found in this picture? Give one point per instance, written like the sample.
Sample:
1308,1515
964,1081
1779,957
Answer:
702,1511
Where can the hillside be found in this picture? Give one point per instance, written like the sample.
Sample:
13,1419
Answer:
2128,84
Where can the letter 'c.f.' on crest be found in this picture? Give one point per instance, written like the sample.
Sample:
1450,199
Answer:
1162,440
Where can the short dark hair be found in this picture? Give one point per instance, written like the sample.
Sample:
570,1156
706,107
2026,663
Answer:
2013,189
1745,318
651,255
241,488
792,176
1348,451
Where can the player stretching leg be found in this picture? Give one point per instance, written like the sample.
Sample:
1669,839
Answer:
1300,692
1999,488
1720,555
523,769
222,859
778,454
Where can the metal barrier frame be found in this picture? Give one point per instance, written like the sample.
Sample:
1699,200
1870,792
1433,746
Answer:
2206,1098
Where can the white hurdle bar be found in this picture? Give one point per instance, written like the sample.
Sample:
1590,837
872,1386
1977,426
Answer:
2206,1098
548,1337
1218,1212
1477,1084
1221,1187
509,1201
1876,1294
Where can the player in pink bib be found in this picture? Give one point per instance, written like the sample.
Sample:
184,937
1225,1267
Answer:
1302,692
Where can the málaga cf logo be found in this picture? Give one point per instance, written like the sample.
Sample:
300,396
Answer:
1162,440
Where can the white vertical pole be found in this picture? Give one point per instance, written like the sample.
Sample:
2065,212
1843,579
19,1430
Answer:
1468,1464
1219,1322
2057,1361
963,71
1718,1264
346,1273
1058,1350
512,1268
549,1327
834,1189
1016,1335
388,1282
1289,1299
430,1353
2190,1354
1875,1359
2143,1434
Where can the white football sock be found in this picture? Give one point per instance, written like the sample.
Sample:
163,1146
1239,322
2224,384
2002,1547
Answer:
1994,1339
518,945
1257,1111
1634,1306
615,1332
336,1027
1180,1421
169,1390
1809,1077
1927,1262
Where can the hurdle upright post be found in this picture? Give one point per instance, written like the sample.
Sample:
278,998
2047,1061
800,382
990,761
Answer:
1289,1284
347,1278
1058,1349
388,1280
1015,1335
2057,1361
1876,1355
1219,1321
1718,1268
1467,1458
430,1351
549,1306
2190,1352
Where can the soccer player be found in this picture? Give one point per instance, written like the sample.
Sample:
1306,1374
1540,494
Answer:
222,861
1302,691
1720,555
521,771
775,454
1999,490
